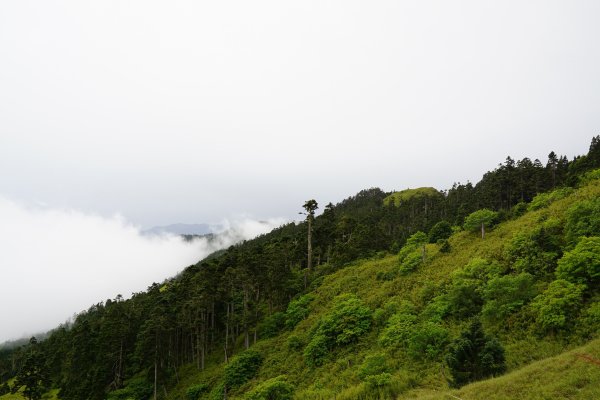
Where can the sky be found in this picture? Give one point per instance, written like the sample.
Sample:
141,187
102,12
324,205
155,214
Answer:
119,116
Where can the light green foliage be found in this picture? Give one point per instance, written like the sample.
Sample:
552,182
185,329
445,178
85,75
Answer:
590,177
411,261
478,220
437,309
582,264
505,295
397,198
428,340
242,368
543,200
272,389
478,270
373,365
297,310
398,330
583,219
557,306
195,391
413,252
525,252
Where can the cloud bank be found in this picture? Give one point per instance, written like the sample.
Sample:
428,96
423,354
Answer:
57,262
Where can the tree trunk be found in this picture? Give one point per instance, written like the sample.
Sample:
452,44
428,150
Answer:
482,231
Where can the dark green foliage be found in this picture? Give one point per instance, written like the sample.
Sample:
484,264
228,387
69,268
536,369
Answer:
137,388
272,389
556,307
373,365
317,350
242,368
505,295
444,245
582,264
295,343
4,388
464,298
297,310
195,391
272,325
32,376
474,356
440,231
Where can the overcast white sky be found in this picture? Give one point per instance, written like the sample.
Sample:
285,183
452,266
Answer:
195,111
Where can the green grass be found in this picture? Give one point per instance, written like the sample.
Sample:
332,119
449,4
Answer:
574,374
404,195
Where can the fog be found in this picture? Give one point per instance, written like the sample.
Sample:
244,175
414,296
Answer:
56,262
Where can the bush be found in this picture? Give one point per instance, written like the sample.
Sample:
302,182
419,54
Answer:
440,231
428,341
398,330
272,325
411,261
556,307
583,219
242,368
136,388
317,350
272,389
506,294
297,310
373,365
349,319
582,264
543,200
294,342
194,391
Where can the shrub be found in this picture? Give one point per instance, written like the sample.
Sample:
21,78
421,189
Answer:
317,350
297,310
440,231
543,200
349,319
557,305
506,294
583,219
242,368
272,325
398,330
194,391
272,389
582,264
373,365
294,342
411,261
136,388
429,341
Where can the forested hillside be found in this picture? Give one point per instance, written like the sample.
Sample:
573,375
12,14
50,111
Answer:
384,295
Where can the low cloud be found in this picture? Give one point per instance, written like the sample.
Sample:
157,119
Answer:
57,262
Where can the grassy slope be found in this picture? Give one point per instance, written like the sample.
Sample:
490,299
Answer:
407,194
338,376
572,375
